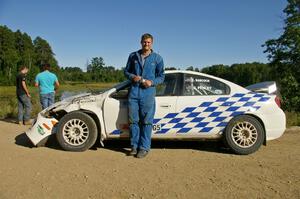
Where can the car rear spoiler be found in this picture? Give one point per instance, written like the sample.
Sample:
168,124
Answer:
264,87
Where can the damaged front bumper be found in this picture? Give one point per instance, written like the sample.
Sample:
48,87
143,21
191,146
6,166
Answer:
41,129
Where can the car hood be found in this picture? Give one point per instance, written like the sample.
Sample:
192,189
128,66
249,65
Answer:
69,96
67,100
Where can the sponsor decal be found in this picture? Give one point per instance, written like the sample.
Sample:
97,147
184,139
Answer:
46,126
40,130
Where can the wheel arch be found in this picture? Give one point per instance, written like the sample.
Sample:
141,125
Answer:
262,124
95,118
240,148
92,114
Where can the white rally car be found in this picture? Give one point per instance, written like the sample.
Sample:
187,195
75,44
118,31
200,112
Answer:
189,105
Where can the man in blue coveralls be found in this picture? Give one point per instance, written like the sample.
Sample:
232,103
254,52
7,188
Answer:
145,69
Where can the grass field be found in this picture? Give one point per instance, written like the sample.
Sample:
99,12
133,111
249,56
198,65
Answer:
9,106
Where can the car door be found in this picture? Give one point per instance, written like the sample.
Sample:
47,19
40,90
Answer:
115,111
116,107
198,107
166,100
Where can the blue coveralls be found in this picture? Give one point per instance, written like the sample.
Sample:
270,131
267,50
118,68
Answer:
141,100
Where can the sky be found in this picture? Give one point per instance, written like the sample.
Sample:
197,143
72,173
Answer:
196,33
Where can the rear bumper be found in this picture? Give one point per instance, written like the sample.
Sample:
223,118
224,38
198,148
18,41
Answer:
276,126
41,128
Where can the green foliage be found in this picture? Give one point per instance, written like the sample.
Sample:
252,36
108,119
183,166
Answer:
17,48
292,118
44,54
9,56
242,74
284,54
170,68
98,72
9,103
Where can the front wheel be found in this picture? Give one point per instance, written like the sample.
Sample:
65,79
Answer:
244,135
77,131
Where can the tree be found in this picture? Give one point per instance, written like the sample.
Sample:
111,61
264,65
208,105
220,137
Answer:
191,68
170,68
242,74
284,55
95,68
25,49
44,53
8,56
17,48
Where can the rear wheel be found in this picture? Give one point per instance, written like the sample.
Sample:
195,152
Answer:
77,131
244,135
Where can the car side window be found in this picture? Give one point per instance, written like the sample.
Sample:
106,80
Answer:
169,86
201,85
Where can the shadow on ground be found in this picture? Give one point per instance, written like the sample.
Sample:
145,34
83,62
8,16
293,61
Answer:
22,140
123,146
50,142
9,120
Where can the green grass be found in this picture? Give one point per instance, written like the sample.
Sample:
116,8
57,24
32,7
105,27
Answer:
292,119
9,104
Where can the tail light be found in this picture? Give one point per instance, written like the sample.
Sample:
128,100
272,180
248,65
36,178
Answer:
278,102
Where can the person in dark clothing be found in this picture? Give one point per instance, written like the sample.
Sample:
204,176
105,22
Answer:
23,96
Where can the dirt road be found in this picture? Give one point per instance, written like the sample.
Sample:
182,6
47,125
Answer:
172,170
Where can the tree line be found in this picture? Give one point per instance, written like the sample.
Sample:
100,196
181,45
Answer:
17,48
96,71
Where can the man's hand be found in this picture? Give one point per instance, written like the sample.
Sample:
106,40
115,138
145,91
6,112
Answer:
136,78
147,83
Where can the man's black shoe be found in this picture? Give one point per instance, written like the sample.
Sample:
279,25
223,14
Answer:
132,152
142,153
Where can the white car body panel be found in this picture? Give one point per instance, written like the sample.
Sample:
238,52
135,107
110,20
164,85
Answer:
41,129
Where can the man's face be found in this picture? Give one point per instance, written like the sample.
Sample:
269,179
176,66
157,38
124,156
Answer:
146,44
25,71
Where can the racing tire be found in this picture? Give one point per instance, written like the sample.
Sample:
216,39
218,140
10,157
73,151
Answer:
77,131
244,135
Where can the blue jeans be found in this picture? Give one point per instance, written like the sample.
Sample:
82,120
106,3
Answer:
47,99
24,104
141,113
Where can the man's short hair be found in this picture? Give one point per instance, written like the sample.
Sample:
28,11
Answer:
46,67
146,36
22,67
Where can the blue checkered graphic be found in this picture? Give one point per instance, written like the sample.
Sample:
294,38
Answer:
209,116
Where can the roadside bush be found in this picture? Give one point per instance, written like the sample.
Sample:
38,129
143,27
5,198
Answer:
292,119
